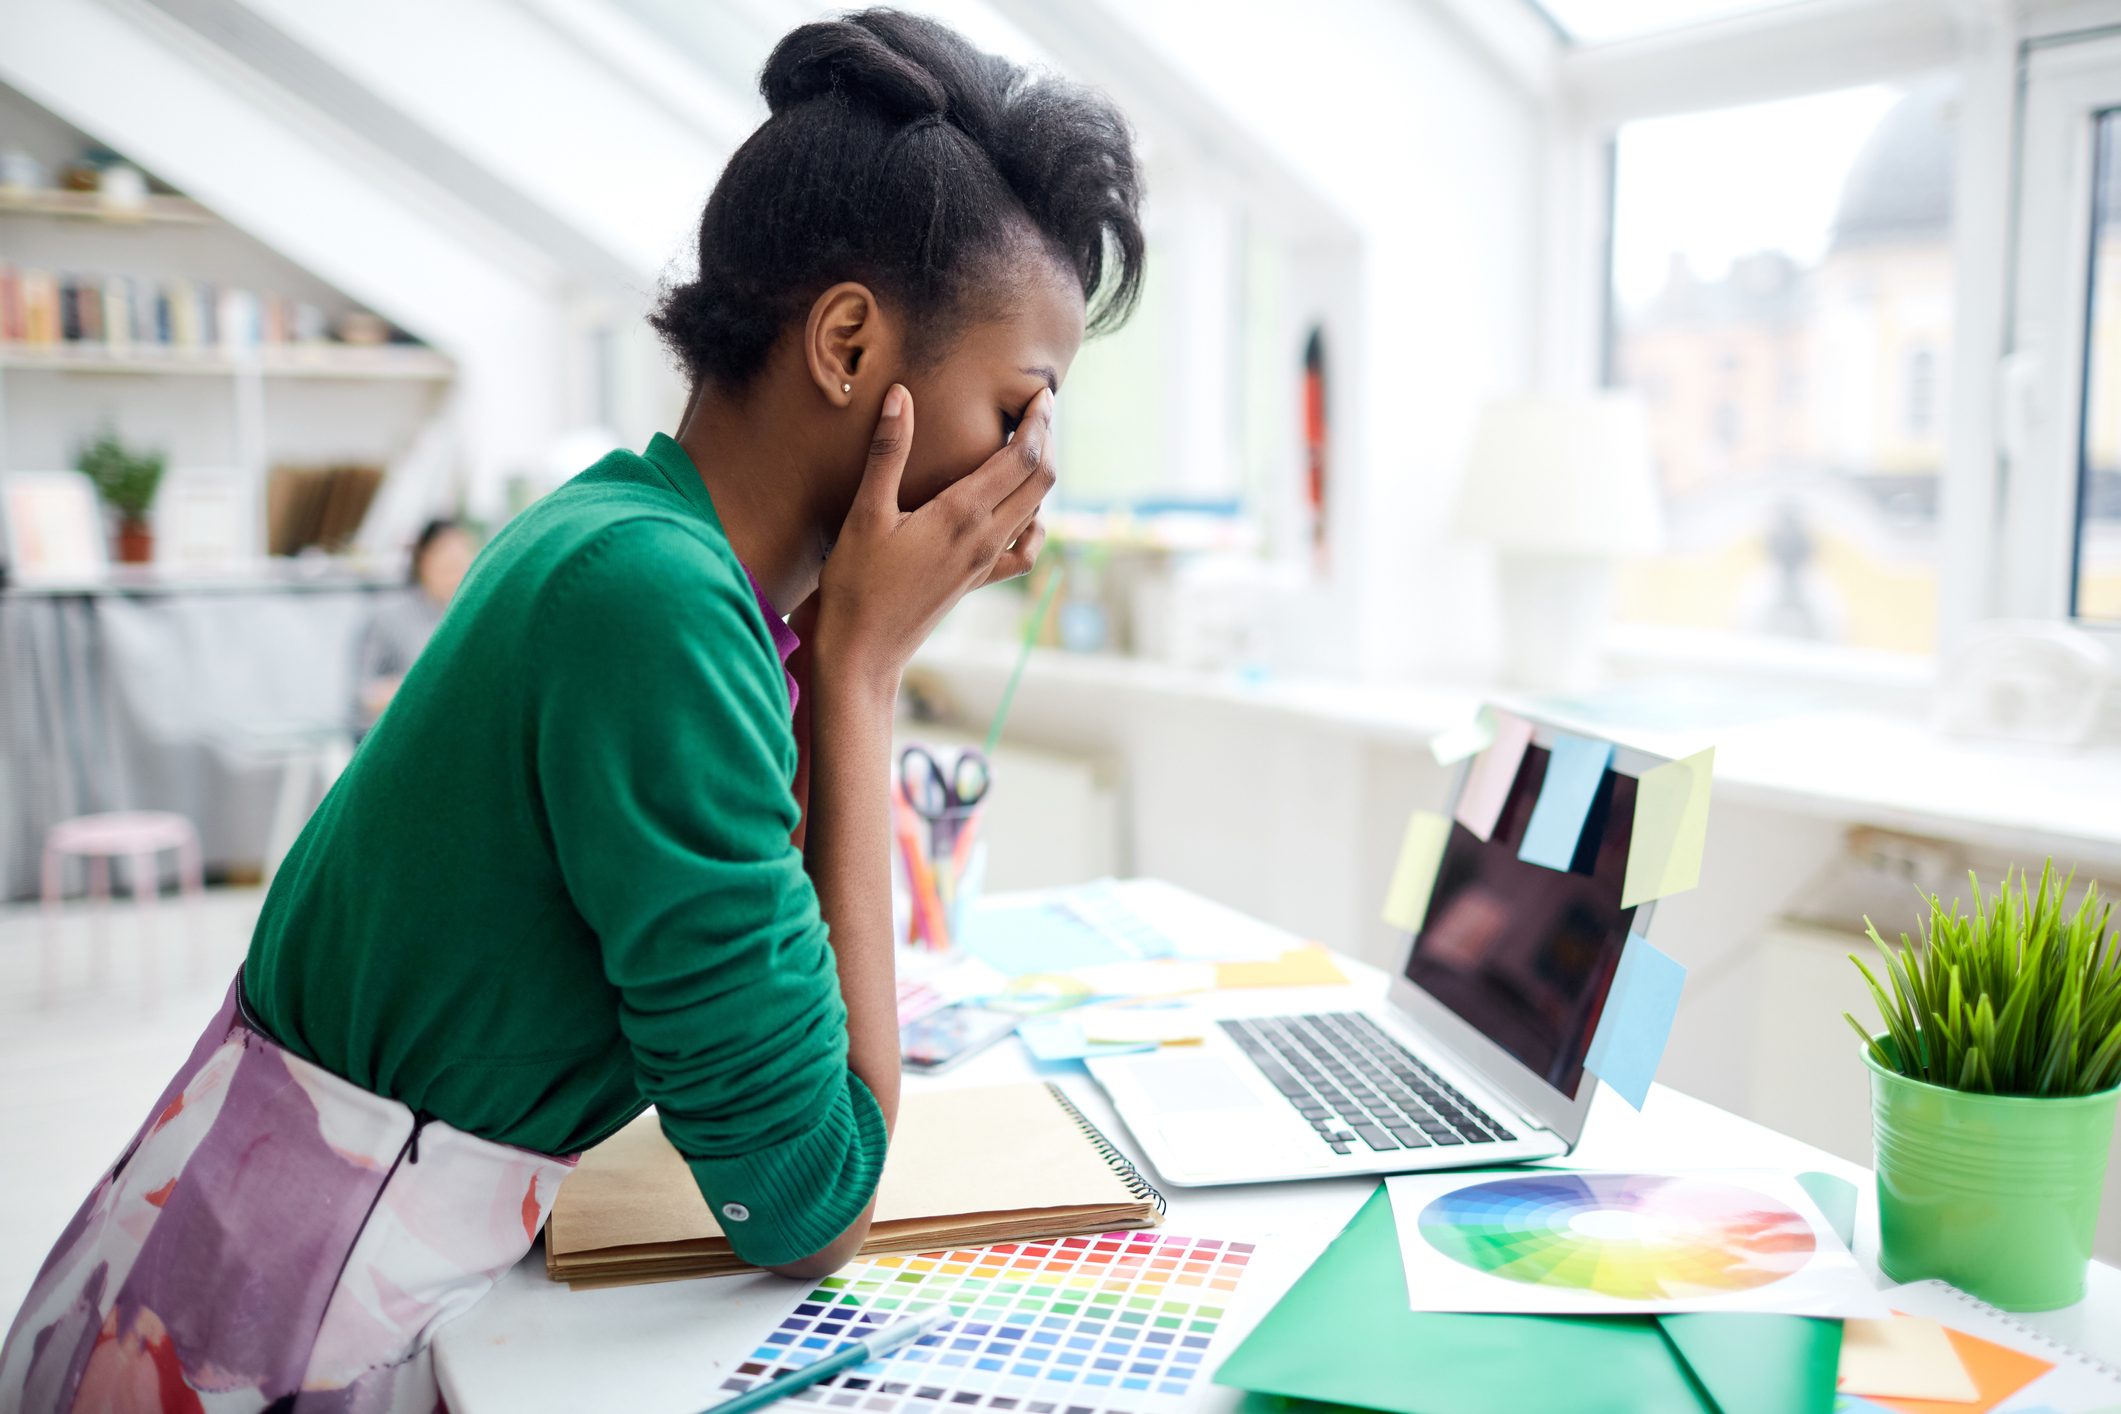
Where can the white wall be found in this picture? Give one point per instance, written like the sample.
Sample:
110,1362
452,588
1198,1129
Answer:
1432,153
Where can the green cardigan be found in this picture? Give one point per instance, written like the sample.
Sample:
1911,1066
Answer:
555,885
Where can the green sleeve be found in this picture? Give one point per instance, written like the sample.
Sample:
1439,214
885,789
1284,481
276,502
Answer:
663,755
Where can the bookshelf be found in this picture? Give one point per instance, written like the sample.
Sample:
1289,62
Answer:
204,341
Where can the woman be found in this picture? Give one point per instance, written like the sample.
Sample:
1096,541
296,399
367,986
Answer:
606,906
400,628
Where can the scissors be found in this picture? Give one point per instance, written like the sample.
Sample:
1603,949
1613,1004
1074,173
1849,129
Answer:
943,798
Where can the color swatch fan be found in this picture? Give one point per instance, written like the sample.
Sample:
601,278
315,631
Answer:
1558,1243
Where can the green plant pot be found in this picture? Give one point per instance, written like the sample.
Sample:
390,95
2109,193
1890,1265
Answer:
1996,1194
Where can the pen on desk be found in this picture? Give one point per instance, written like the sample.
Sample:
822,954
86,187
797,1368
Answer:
874,1348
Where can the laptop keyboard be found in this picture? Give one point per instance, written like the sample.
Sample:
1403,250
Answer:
1355,1084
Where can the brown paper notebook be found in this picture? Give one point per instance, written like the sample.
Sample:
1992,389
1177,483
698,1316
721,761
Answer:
967,1167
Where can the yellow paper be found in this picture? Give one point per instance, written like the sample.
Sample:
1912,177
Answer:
1903,1357
1420,852
1165,1027
1671,829
1309,966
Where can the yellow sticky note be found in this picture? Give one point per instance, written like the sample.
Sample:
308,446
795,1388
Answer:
1671,829
1902,1357
1310,966
1164,1027
1420,852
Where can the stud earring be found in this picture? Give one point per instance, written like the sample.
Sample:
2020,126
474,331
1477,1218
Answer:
846,387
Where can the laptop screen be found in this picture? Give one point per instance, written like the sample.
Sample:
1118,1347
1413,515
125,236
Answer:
1525,953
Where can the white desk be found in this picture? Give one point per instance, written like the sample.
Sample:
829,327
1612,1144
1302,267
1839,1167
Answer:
665,1349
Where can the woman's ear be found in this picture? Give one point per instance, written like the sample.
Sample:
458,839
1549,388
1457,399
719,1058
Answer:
839,340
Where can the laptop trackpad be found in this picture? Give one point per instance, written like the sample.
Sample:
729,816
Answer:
1181,1084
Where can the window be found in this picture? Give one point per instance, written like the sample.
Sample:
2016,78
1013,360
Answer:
2098,558
1782,298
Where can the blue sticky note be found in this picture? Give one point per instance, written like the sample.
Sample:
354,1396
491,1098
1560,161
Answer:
1575,767
1637,1020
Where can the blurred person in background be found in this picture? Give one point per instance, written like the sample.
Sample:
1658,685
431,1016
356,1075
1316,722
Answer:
587,860
401,626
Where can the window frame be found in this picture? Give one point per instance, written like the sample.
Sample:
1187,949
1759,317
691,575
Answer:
2067,81
1789,53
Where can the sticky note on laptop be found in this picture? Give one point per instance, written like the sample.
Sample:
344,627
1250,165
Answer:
1414,876
1451,747
1575,769
1493,772
1671,829
1637,1020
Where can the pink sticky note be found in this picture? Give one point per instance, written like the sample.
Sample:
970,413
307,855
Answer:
1492,774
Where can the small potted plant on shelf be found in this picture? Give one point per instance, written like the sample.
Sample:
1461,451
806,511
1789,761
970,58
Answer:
127,480
1993,1091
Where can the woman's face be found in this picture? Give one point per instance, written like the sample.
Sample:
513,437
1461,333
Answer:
966,406
443,563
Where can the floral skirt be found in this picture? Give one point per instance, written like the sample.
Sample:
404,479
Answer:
274,1237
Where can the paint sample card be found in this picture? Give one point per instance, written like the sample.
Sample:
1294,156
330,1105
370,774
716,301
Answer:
1909,1356
1414,876
1451,747
1492,773
1637,1020
1121,1322
1556,1242
1575,769
1671,829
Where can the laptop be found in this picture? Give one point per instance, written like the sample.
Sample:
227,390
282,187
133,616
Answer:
1475,1057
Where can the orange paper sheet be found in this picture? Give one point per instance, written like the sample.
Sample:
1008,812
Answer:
1310,966
1998,1371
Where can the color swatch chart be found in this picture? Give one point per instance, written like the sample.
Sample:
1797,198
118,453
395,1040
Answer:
1118,1322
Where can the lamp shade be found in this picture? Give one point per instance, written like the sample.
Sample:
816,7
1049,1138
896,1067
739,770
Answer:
1562,475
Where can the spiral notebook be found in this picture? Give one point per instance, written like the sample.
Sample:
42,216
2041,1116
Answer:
967,1167
2015,1369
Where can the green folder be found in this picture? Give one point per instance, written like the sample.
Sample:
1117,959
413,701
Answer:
1343,1335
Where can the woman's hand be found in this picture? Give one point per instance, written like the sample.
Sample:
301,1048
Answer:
893,574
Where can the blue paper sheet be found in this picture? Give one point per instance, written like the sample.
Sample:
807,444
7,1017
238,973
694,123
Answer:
1071,928
1052,1038
1575,767
1637,1020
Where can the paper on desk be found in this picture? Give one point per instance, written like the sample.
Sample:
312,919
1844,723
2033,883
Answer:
1162,1026
1907,1356
1168,977
1414,877
1058,930
1637,1020
1492,774
1671,829
1059,1038
1575,768
1307,966
1200,928
1455,745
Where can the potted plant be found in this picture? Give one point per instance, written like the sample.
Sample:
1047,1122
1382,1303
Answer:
127,480
1993,1091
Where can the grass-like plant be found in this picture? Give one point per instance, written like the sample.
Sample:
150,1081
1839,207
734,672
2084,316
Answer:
2016,998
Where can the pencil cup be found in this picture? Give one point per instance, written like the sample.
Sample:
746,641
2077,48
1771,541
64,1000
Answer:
941,859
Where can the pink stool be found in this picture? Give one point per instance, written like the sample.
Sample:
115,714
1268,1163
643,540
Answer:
137,835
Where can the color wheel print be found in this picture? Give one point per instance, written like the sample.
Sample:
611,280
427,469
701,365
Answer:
1634,1237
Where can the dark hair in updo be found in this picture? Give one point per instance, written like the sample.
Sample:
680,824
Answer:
900,156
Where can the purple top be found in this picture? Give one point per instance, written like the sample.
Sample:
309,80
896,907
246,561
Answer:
784,639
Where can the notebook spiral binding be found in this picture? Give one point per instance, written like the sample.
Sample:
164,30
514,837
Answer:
1139,1186
2040,1338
